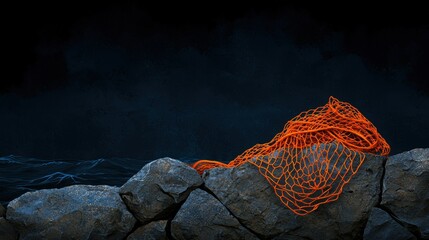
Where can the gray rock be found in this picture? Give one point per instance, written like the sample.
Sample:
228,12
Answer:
406,189
159,188
74,212
250,198
151,231
381,226
7,232
203,217
2,211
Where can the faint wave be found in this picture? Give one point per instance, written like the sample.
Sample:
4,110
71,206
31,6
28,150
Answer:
20,174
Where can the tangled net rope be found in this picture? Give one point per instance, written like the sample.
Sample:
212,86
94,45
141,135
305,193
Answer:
316,154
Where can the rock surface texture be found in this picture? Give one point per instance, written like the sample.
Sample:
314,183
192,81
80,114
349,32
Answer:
167,199
159,188
74,212
406,190
151,231
7,231
381,226
203,217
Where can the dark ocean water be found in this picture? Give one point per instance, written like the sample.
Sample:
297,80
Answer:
19,175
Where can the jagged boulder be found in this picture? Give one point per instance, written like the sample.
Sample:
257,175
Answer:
381,226
151,231
203,217
159,188
406,189
74,212
250,198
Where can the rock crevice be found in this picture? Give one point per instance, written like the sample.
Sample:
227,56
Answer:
405,192
204,188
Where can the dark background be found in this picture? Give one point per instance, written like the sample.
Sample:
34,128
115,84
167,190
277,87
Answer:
203,81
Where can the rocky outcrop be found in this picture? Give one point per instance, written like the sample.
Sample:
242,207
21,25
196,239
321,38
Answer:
151,231
251,199
203,217
381,226
74,212
159,188
406,190
384,200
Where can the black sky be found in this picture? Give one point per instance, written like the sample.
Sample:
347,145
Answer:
148,81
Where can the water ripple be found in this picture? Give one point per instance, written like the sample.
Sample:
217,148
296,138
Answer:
20,174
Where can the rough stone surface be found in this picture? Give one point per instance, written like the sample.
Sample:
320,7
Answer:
2,211
151,231
406,189
7,232
289,237
203,217
74,212
381,226
252,200
159,188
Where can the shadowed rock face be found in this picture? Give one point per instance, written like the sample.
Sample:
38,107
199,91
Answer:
381,226
2,211
151,231
251,199
406,190
203,217
159,188
79,212
7,231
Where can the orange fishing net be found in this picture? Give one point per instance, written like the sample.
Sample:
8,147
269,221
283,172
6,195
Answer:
315,155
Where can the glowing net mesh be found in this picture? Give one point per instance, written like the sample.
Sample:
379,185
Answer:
316,154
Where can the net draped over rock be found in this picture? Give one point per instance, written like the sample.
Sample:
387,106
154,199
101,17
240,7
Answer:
314,156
